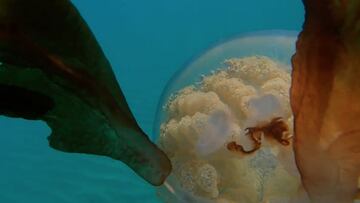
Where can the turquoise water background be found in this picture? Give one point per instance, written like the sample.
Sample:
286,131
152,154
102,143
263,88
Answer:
146,43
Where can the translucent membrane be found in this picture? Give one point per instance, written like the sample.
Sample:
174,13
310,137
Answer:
225,122
276,44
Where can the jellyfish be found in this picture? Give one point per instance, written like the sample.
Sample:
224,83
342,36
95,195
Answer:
52,69
225,123
319,154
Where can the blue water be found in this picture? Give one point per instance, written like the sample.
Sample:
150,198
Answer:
146,42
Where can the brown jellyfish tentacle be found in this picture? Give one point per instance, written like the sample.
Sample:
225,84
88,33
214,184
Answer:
255,137
278,130
234,147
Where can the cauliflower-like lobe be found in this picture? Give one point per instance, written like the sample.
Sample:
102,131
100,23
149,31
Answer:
191,102
256,69
203,119
197,177
187,176
207,180
178,136
280,89
232,91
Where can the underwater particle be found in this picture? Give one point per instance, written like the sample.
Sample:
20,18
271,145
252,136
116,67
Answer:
325,98
230,100
53,69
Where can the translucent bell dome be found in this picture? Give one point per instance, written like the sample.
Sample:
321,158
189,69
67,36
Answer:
225,122
278,45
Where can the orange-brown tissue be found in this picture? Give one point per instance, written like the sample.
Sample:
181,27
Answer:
325,99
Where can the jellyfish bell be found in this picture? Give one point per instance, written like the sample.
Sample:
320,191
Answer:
205,116
275,44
